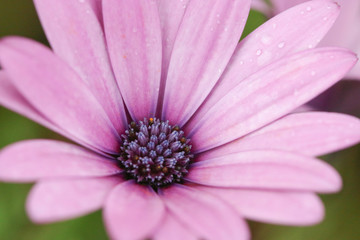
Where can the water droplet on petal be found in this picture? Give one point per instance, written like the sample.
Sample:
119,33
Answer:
308,9
258,52
313,73
281,44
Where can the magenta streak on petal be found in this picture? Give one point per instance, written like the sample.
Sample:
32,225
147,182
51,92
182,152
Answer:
206,40
263,169
75,34
31,160
133,36
277,207
55,90
62,199
132,211
206,215
312,134
270,42
269,94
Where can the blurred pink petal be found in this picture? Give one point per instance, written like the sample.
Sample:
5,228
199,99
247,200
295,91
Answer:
213,219
173,229
132,211
312,134
277,207
32,160
133,36
201,53
266,170
57,200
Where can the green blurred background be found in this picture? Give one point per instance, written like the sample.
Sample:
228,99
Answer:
342,221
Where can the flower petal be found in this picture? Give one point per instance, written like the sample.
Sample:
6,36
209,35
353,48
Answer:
76,35
55,90
289,208
269,94
266,170
273,40
133,36
57,200
13,100
206,215
32,160
312,134
194,70
132,211
172,229
171,13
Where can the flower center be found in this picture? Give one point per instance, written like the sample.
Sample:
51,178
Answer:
155,153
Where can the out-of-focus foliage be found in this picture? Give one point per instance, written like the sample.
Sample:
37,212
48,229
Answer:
18,17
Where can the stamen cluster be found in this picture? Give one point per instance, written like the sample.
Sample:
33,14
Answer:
155,153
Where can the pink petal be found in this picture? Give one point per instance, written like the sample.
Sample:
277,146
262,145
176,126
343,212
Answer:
13,100
57,200
55,90
269,94
171,13
206,215
266,170
270,42
312,134
212,29
76,35
261,6
31,160
172,229
133,35
289,208
132,211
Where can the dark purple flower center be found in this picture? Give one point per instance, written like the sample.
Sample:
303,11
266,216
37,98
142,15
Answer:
155,153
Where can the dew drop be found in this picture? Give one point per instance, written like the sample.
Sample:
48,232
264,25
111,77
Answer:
81,1
258,52
241,62
266,40
274,25
313,73
325,18
310,46
281,44
308,9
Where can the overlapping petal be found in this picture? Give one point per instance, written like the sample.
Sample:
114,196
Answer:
56,200
312,134
201,53
133,37
76,35
206,215
132,211
32,160
269,94
287,33
172,229
266,170
44,76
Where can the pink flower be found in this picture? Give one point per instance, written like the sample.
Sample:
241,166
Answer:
179,61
